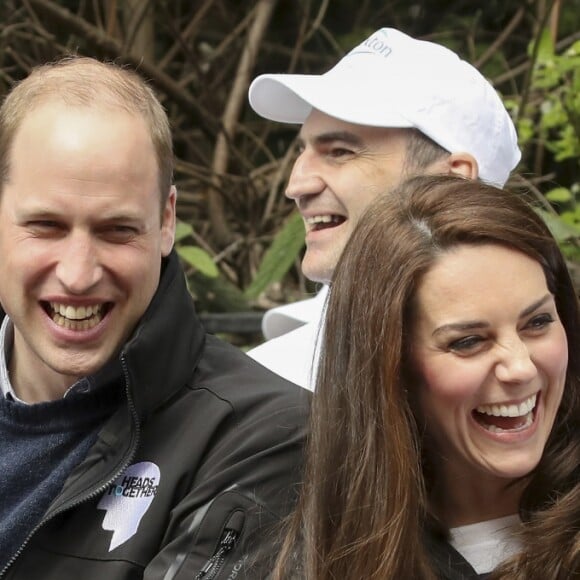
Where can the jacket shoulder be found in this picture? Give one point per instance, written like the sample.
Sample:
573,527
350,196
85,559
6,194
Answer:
233,376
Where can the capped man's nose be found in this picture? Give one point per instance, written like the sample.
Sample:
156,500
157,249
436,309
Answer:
304,178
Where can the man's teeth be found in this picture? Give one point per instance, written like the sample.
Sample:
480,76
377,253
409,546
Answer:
509,410
73,313
322,219
76,318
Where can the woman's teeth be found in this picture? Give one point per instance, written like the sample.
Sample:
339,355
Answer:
529,419
506,418
509,410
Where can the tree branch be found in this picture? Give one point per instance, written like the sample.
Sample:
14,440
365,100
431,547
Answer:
263,13
114,49
505,34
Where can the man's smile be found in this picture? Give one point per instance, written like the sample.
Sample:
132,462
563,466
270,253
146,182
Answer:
324,221
76,317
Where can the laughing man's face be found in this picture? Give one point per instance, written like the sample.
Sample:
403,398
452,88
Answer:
81,239
340,170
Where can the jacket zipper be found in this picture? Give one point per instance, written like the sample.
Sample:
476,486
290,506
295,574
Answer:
226,544
101,489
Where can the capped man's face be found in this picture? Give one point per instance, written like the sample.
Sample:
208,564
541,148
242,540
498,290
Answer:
341,169
81,239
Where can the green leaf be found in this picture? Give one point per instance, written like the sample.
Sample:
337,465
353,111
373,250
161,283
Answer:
280,256
526,130
553,114
546,47
571,217
574,50
559,195
182,230
560,229
216,294
199,259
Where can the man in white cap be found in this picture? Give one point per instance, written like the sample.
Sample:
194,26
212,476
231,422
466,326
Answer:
392,107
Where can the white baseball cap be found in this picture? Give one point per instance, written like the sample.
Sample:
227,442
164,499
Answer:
393,80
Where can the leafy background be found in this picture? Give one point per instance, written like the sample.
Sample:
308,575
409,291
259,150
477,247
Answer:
238,236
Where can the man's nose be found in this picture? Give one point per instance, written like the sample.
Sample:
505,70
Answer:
78,269
305,177
516,364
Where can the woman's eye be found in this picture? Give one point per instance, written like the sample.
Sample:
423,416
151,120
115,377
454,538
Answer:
465,344
540,322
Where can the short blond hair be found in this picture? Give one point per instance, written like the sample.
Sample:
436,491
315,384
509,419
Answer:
84,81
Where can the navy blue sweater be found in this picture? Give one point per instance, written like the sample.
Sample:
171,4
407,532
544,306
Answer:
40,444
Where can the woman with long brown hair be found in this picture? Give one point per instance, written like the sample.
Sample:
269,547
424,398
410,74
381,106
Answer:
445,427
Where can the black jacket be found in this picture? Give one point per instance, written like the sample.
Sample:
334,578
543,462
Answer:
449,563
189,478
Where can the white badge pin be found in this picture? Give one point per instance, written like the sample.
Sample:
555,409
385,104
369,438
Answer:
127,499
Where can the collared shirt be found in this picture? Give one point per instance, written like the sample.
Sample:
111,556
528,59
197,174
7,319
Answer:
485,545
293,333
83,385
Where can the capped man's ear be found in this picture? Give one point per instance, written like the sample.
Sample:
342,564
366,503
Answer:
463,164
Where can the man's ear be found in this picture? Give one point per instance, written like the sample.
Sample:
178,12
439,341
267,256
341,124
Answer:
168,222
463,164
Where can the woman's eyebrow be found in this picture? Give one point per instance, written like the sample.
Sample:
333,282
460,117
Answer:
475,324
467,325
535,305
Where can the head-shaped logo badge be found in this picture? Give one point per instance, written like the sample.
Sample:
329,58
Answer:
127,499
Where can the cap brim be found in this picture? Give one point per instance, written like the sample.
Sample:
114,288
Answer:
277,97
290,99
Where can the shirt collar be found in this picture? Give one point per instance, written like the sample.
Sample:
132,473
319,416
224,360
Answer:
83,385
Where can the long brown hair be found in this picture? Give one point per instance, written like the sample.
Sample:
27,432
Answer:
367,499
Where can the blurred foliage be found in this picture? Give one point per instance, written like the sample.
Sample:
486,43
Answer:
280,256
551,120
238,236
194,256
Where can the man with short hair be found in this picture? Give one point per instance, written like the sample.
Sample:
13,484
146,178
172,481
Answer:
134,445
394,106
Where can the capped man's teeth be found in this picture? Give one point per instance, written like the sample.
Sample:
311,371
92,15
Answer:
509,410
322,219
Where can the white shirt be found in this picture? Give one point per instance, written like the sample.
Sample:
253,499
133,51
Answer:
83,385
485,545
292,338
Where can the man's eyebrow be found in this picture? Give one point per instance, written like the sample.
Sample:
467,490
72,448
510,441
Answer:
120,216
332,136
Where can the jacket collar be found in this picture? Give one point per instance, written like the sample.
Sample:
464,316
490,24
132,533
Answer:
164,349
449,563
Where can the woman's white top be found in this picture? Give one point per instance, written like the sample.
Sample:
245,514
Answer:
486,544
